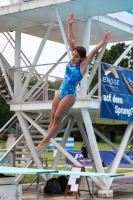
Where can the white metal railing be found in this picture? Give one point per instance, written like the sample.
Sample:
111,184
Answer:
23,56
41,87
42,82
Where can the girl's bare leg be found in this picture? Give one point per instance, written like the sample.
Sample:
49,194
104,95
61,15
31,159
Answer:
55,104
64,106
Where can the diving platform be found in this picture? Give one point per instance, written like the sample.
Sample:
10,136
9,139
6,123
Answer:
47,19
33,17
92,105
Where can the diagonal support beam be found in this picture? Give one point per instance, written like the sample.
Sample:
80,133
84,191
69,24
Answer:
94,89
63,143
97,64
86,44
75,162
62,32
84,136
93,143
26,83
123,54
112,145
17,71
30,142
6,79
92,139
121,149
42,79
114,22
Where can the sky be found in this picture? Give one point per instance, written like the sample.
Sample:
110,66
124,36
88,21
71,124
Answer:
29,45
5,2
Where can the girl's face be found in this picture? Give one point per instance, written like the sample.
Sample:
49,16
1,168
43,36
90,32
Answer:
76,59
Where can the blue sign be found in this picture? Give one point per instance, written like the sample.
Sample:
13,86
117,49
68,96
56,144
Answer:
77,154
106,156
117,93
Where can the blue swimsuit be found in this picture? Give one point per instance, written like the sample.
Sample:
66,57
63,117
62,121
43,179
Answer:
71,79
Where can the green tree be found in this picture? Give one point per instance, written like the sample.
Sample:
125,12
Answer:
5,113
111,55
54,85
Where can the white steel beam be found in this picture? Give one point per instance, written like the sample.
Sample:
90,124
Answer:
27,95
25,85
38,92
86,44
71,158
75,162
93,143
123,54
63,32
43,132
85,139
6,79
84,136
115,23
63,143
19,139
30,142
45,90
112,145
89,103
17,72
97,63
121,149
129,141
11,119
94,89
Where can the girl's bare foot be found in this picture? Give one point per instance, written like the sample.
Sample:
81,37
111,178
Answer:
41,145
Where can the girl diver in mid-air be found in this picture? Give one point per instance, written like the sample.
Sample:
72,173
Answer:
75,70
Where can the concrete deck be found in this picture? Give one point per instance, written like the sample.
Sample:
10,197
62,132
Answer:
120,191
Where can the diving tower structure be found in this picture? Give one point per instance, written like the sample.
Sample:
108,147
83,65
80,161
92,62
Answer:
47,19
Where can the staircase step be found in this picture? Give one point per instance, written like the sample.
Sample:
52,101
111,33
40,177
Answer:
44,126
20,147
3,86
8,97
3,91
37,136
2,78
36,142
21,159
43,121
21,153
19,164
34,131
46,117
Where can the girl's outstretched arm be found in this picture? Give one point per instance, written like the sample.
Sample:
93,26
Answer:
70,21
89,58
